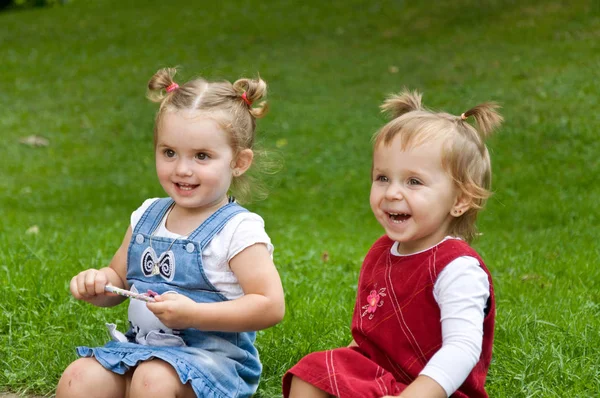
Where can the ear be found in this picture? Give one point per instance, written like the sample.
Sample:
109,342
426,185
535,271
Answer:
462,204
242,162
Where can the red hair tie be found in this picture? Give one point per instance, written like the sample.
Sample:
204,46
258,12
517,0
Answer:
246,100
172,87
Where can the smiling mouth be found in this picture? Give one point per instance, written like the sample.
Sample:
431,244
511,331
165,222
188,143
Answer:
398,218
185,187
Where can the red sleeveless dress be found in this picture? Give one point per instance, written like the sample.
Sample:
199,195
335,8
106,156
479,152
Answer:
396,324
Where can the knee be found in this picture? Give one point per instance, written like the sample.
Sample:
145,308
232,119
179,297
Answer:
75,379
87,378
155,378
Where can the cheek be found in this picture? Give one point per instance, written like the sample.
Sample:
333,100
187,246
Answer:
161,169
219,176
165,170
374,198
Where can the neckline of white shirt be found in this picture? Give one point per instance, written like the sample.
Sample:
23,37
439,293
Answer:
162,228
395,252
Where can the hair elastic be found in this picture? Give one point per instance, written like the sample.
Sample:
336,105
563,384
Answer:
246,100
463,116
172,87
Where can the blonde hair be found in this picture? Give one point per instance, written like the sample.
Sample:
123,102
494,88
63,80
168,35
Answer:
230,105
465,156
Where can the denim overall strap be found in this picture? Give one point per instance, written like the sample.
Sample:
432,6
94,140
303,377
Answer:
154,214
215,223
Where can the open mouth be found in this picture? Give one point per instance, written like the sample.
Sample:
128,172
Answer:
185,187
398,218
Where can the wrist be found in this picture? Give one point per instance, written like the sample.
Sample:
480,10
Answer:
113,277
198,314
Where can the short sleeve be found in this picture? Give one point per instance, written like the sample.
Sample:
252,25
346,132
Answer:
242,231
137,214
248,231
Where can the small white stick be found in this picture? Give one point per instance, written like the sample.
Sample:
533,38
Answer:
130,294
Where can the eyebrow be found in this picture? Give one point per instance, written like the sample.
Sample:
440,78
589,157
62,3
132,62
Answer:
195,150
419,173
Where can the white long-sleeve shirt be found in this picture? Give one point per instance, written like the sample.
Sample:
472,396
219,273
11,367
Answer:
461,291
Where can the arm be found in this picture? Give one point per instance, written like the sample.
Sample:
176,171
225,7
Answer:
461,291
262,305
89,285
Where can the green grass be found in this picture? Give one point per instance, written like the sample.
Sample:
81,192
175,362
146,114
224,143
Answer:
76,75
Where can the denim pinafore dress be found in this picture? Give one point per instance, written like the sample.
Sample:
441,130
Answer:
216,364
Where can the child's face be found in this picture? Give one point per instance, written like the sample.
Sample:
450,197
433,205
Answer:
411,194
193,160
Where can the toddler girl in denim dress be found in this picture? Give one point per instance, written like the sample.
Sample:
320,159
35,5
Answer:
202,261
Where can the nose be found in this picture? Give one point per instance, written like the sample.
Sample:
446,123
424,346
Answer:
394,192
182,168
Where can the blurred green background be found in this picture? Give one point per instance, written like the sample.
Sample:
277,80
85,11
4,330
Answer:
78,159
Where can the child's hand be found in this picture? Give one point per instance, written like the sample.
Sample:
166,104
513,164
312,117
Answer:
88,284
174,310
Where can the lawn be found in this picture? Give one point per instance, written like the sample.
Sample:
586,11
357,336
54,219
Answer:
76,76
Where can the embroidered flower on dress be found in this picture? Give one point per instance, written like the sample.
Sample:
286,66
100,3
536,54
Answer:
374,301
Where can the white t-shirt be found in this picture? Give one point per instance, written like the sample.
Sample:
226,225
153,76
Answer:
243,230
461,291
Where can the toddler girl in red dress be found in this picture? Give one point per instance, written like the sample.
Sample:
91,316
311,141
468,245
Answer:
423,322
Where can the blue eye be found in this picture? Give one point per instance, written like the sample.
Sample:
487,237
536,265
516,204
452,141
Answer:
169,153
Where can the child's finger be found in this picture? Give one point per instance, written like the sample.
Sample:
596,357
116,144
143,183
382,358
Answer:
158,298
156,308
90,283
81,284
100,282
160,305
168,296
74,288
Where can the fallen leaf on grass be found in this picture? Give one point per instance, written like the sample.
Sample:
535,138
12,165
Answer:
530,277
535,277
33,230
34,140
280,143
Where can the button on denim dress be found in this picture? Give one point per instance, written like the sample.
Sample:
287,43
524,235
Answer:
216,364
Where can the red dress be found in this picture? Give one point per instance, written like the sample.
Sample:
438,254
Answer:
396,324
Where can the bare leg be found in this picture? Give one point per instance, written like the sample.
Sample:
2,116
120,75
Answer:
87,378
301,389
158,379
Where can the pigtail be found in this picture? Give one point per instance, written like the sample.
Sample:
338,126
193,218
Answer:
401,103
250,91
486,117
161,84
